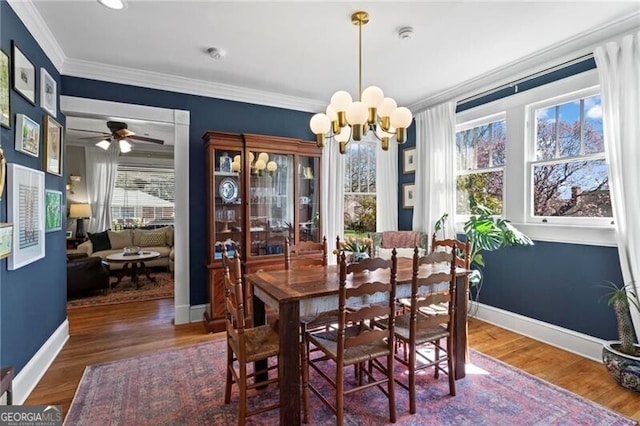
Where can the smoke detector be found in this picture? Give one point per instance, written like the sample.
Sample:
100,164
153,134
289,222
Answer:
216,53
405,33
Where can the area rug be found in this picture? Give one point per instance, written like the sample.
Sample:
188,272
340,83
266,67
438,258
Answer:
186,387
126,291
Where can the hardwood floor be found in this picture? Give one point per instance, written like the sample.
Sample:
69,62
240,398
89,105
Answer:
109,333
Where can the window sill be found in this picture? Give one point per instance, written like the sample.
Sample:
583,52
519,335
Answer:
570,234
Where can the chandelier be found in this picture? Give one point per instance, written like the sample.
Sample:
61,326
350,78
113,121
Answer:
258,166
346,120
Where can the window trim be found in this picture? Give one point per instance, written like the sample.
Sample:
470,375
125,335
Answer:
516,170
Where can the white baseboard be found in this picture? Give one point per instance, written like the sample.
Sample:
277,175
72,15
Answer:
197,311
30,375
568,340
182,314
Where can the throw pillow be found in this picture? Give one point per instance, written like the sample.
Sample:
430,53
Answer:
152,239
385,253
169,234
120,239
100,241
392,239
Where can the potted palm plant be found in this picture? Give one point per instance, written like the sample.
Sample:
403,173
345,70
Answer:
622,357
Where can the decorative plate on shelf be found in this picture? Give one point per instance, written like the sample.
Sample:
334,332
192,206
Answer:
228,190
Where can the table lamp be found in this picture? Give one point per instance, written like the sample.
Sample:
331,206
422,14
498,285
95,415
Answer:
80,212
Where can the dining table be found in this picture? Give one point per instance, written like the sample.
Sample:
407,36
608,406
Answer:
304,292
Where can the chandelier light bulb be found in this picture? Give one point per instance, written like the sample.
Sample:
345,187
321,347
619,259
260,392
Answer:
236,159
357,113
272,166
340,101
321,123
344,135
251,157
235,166
331,113
401,118
372,96
260,164
264,157
386,107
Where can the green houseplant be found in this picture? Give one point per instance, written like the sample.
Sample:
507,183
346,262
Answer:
486,232
622,358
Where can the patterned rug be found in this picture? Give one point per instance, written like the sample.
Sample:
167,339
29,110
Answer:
126,291
186,387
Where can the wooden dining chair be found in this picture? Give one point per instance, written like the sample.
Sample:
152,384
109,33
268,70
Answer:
245,345
355,342
462,249
305,254
430,319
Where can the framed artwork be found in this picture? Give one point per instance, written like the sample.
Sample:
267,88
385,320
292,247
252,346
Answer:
409,163
48,93
24,75
25,209
5,77
27,138
52,146
53,209
408,195
6,239
68,234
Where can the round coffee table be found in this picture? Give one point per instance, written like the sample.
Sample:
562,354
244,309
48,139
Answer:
136,262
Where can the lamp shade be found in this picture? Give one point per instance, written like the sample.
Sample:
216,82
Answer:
80,211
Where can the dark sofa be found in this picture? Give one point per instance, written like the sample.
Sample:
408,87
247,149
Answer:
85,274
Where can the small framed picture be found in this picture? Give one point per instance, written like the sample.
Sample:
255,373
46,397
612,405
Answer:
52,146
6,239
69,234
409,163
27,138
5,78
53,210
48,93
408,195
24,75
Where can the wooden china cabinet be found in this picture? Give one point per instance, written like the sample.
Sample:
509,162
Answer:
260,191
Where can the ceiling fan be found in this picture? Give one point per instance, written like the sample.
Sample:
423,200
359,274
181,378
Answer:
120,133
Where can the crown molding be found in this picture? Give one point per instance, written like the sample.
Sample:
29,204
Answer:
39,29
569,49
172,83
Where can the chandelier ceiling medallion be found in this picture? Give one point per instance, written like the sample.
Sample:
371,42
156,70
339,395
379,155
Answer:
346,120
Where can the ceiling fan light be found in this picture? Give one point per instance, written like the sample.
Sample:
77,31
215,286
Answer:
124,146
104,144
112,4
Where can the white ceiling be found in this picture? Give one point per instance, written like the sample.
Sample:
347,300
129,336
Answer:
299,53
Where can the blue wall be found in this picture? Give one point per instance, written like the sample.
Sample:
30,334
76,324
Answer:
206,114
32,298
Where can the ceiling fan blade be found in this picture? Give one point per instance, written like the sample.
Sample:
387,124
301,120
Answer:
145,139
89,131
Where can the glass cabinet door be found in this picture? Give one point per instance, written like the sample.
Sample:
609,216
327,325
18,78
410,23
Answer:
271,202
227,201
309,198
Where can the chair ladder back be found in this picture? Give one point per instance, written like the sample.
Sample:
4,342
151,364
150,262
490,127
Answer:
234,294
462,249
305,254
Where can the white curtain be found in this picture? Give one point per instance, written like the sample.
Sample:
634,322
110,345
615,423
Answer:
101,168
332,190
386,186
435,188
618,66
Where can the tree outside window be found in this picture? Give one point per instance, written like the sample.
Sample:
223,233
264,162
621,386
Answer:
570,174
360,189
480,160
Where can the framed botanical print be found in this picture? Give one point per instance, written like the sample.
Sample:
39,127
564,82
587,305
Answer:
53,207
48,93
408,195
409,163
24,75
5,78
52,146
27,139
25,209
